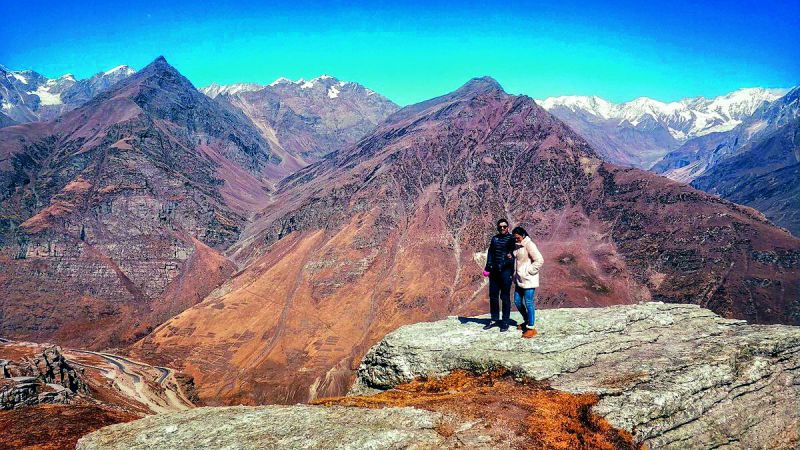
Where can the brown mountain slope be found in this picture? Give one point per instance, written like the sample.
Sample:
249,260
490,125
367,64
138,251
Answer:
388,232
113,215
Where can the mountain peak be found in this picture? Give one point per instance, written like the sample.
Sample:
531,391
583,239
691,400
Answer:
158,66
480,85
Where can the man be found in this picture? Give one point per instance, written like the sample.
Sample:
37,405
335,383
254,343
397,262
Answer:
500,270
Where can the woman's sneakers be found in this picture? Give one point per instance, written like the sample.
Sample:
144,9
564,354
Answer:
529,333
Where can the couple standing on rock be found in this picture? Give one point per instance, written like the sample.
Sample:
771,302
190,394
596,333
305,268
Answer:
512,258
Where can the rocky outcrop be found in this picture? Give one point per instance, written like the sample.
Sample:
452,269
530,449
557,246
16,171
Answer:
675,376
274,427
50,397
652,375
49,367
16,392
44,378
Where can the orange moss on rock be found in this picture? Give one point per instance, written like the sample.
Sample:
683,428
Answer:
526,414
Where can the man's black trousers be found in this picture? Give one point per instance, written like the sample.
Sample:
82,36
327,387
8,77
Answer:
500,292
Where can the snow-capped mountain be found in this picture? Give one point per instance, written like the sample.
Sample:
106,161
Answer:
28,96
684,119
331,85
643,130
213,90
306,119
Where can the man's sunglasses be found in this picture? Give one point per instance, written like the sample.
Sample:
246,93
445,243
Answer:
502,227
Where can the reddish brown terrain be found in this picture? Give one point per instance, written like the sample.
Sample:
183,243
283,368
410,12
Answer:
113,216
50,397
389,232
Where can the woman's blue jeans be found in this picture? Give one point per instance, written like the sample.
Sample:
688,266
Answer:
523,298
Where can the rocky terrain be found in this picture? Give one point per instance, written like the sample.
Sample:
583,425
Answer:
27,96
652,375
390,231
38,378
306,119
50,397
113,216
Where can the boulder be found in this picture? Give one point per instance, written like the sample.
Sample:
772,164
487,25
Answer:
675,376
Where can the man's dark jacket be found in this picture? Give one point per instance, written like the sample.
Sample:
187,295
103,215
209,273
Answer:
497,259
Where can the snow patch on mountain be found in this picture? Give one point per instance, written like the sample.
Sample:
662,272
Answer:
332,86
46,97
123,68
19,77
55,95
333,92
214,89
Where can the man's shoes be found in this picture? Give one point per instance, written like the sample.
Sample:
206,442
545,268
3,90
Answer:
529,333
490,325
503,328
522,327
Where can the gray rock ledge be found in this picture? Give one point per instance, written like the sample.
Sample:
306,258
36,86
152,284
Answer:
273,427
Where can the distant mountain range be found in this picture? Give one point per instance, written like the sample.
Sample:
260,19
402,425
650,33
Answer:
303,120
743,146
764,173
28,96
640,132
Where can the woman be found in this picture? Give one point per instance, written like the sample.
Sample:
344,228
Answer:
528,261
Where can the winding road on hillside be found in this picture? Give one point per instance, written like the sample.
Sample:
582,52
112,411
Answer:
134,382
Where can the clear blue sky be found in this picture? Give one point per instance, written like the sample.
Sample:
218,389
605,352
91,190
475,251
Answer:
617,50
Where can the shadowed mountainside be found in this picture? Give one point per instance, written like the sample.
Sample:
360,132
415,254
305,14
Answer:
763,174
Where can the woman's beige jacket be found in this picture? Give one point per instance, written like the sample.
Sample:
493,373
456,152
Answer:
528,261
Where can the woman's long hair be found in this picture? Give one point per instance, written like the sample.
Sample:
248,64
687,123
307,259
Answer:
520,231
